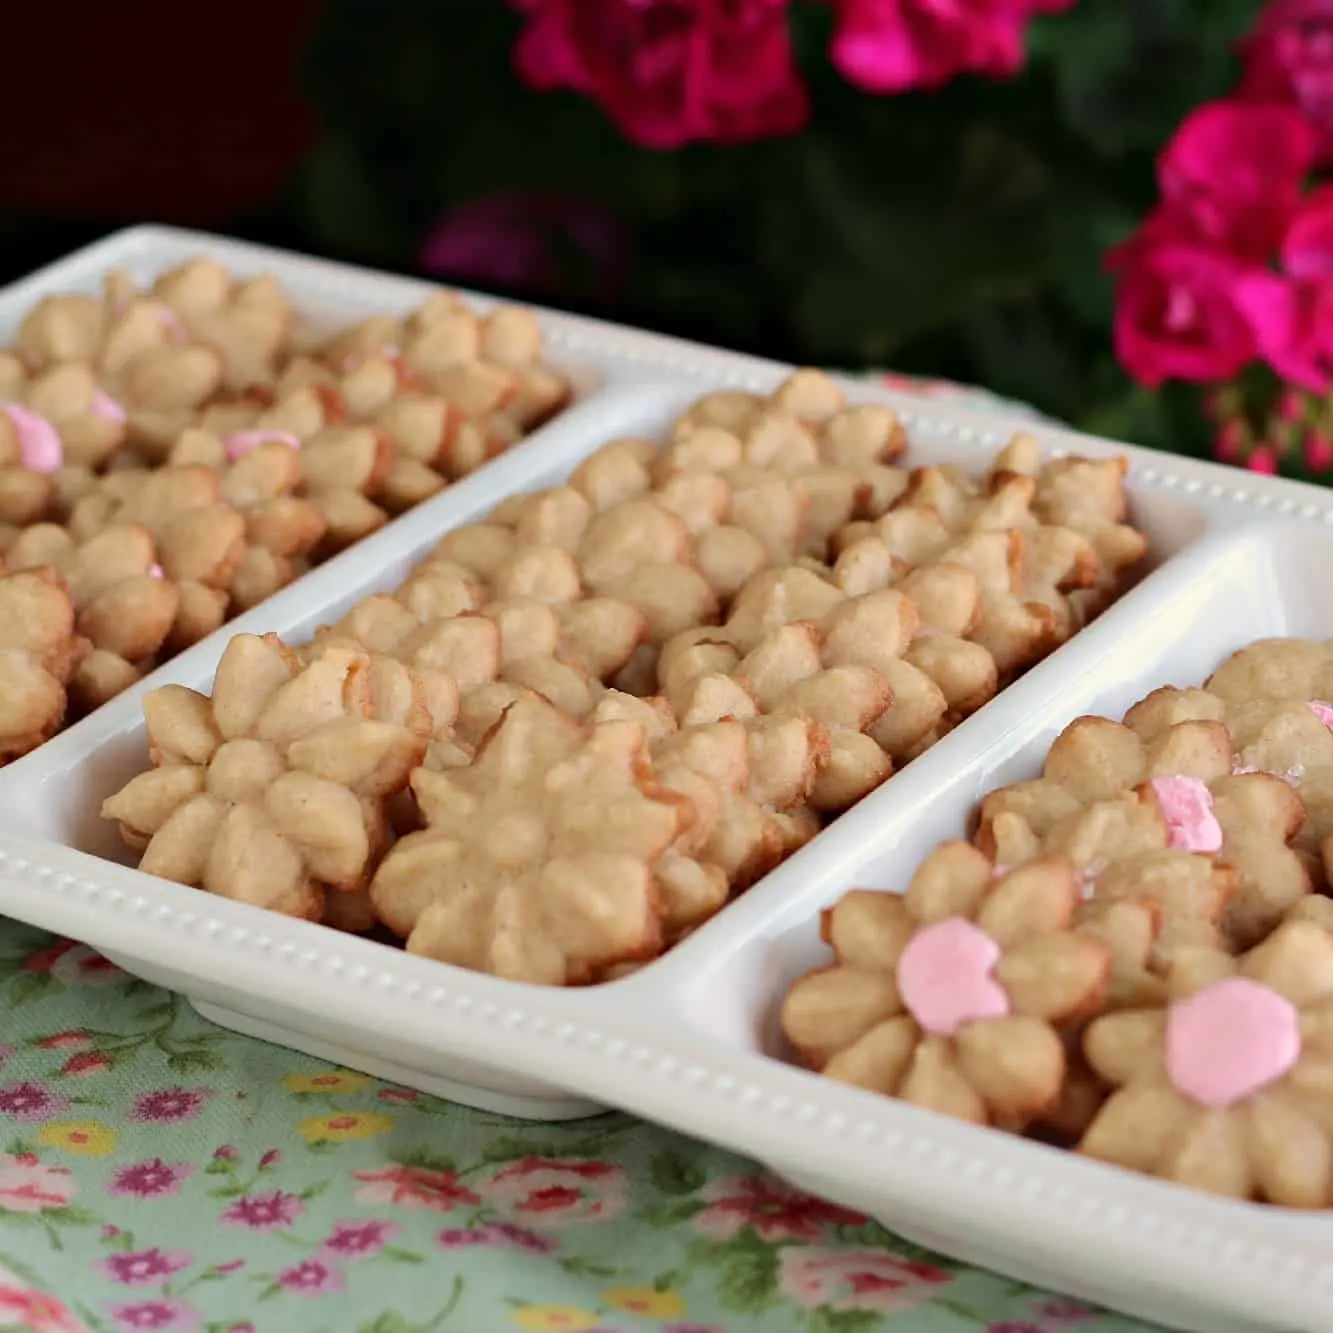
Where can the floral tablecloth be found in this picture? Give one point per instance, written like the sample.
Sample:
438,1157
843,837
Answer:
160,1173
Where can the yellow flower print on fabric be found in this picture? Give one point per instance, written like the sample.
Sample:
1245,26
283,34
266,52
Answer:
85,1138
646,1301
328,1080
562,1318
343,1126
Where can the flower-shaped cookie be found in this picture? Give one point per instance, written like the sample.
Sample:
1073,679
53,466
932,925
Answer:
1224,1086
273,789
950,995
538,859
39,649
1152,805
124,606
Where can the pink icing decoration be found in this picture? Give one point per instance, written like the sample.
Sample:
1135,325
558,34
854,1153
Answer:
1229,1041
105,406
155,571
240,443
944,976
39,442
1188,808
1323,711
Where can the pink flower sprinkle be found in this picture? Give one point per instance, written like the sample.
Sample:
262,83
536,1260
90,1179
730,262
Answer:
168,1105
150,1180
140,1268
264,1212
360,1239
312,1277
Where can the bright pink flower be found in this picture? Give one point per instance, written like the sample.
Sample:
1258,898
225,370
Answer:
414,1188
311,1277
1263,460
359,1240
1307,247
140,1268
264,1212
1178,316
1233,174
774,1212
166,1316
1289,58
517,240
1293,326
670,72
149,1180
891,46
548,1191
24,1307
1319,453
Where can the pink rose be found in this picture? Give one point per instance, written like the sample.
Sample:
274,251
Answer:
670,72
1289,58
1307,248
856,1279
546,1192
891,46
1233,174
1178,316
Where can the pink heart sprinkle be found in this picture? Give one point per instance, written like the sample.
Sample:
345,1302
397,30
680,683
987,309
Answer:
155,571
1187,807
242,441
40,447
105,406
944,976
1229,1041
1323,711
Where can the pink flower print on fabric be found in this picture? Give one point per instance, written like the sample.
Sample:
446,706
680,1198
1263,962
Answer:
241,442
40,447
311,1277
30,1186
30,1102
168,1105
141,1268
1187,806
163,1316
153,1179
1229,1041
944,977
359,1239
264,1212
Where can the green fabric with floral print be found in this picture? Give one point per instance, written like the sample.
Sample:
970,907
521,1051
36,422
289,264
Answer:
157,1172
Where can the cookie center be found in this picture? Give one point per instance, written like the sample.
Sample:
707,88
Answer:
944,977
1229,1041
1187,807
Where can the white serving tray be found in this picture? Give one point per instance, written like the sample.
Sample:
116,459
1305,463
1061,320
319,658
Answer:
690,1042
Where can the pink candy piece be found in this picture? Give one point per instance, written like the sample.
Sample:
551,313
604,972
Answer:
40,447
944,977
1187,806
1323,711
105,406
1229,1041
240,443
155,571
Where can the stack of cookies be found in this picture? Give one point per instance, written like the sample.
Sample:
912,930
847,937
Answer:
1134,954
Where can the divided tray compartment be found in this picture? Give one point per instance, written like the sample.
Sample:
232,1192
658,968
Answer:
690,1040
